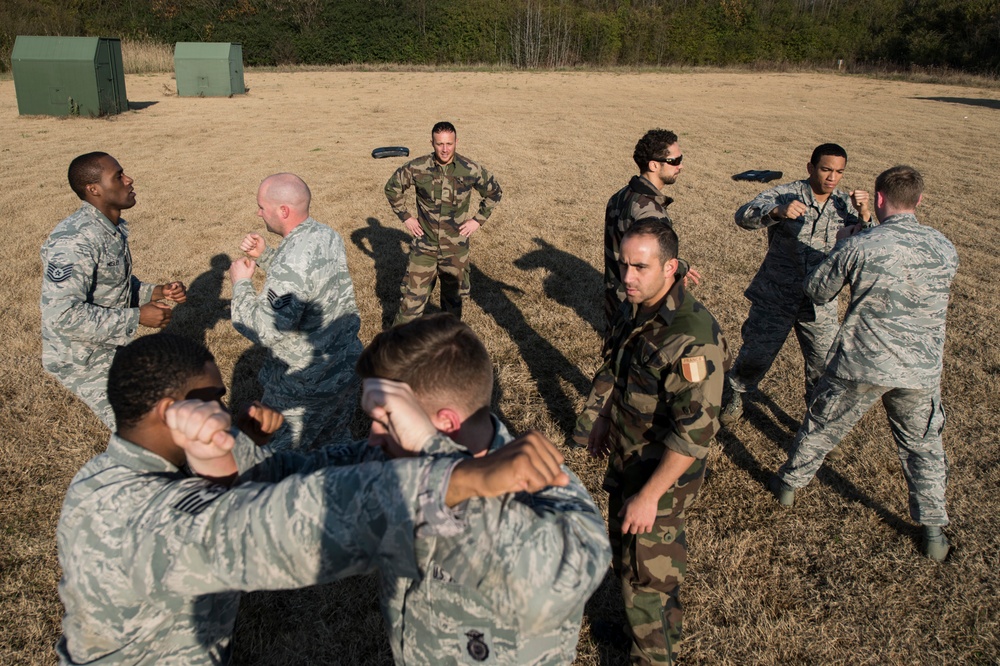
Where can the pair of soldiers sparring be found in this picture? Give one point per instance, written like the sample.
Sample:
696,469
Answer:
161,534
636,414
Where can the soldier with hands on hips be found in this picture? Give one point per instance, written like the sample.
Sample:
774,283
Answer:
444,182
91,301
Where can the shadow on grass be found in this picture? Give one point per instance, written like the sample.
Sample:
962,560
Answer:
205,306
385,246
570,281
139,106
968,101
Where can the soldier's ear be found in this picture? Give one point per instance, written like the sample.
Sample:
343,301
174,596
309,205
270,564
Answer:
161,407
447,420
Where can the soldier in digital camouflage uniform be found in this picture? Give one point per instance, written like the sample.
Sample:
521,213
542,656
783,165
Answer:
305,315
154,559
654,407
890,346
444,182
91,302
802,220
658,156
508,584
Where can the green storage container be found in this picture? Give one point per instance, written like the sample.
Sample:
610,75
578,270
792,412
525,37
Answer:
62,76
208,69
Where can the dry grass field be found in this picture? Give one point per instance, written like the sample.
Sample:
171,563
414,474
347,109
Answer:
837,579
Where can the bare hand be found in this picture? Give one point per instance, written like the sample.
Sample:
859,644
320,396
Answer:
528,464
598,444
469,227
154,315
253,245
413,226
860,200
791,211
242,269
258,422
174,291
638,514
394,406
201,429
692,278
848,231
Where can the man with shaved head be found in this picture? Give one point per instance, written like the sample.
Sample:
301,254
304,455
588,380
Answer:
305,315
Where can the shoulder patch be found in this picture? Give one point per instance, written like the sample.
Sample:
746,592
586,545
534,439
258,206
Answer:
477,647
196,500
278,302
56,273
694,369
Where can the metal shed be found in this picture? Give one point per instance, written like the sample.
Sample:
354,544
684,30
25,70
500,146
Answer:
63,76
208,69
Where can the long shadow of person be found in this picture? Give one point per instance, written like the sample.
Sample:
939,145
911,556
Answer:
205,306
547,365
385,245
570,281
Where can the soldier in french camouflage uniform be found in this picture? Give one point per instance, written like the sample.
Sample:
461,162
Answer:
654,407
305,315
508,585
658,157
803,220
154,559
890,346
91,302
444,181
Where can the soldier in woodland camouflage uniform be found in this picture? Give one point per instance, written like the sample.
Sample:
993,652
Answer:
154,559
444,181
803,220
305,315
654,407
658,157
509,583
890,346
91,302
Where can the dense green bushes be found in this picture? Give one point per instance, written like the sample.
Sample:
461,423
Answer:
961,34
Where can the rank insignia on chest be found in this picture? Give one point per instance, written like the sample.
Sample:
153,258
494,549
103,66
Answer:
278,302
477,647
694,368
57,273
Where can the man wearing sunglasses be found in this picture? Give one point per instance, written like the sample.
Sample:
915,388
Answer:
804,220
659,158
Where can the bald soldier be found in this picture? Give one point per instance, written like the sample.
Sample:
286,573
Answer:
305,315
91,302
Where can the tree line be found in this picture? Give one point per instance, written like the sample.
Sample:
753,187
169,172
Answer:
958,34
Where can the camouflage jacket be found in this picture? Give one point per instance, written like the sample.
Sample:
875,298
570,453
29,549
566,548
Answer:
637,200
502,581
90,299
795,247
900,273
154,559
443,194
305,314
661,386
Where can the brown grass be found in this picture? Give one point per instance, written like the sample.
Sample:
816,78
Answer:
145,57
835,580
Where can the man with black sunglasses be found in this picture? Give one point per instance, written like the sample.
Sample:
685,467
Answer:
804,220
659,158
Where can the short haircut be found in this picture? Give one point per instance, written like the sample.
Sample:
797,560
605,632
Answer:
901,186
85,170
443,126
287,189
659,228
438,356
150,368
654,144
827,149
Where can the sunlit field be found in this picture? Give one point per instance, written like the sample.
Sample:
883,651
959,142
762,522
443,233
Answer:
836,579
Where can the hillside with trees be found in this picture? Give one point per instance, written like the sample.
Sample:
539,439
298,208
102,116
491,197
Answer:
957,34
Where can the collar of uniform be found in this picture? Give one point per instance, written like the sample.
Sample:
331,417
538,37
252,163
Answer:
642,185
444,445
500,434
136,457
304,223
103,221
900,218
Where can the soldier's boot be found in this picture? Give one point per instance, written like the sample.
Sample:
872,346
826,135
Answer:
783,492
733,410
936,546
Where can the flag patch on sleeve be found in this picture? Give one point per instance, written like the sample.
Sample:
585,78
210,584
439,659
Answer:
694,368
